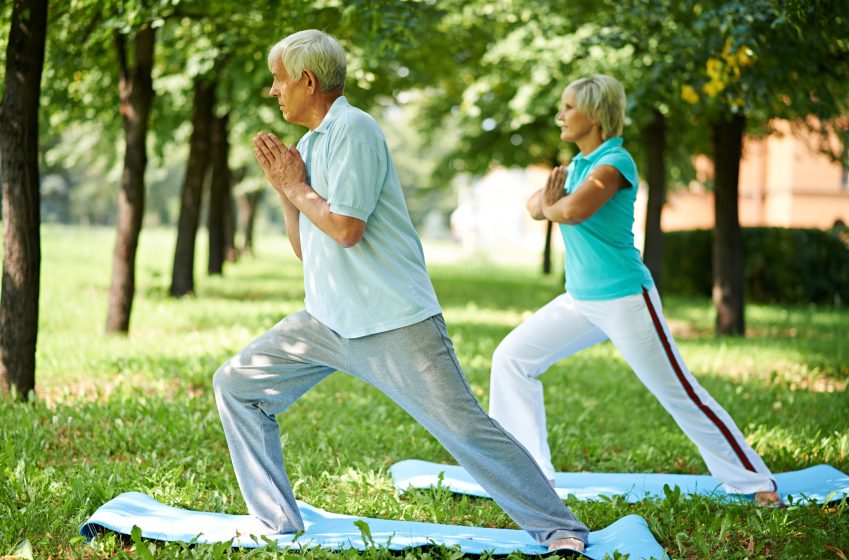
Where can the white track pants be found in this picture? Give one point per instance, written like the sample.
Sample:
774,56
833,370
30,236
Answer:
636,326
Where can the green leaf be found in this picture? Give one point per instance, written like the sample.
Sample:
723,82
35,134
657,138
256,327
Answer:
141,547
365,531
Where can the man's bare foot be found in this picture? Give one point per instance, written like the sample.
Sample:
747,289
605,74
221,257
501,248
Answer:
769,498
574,544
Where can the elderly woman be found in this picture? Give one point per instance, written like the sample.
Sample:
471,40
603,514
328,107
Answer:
609,295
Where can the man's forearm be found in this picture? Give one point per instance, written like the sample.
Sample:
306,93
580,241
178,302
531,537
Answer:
291,215
344,230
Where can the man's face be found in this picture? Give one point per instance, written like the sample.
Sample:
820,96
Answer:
290,93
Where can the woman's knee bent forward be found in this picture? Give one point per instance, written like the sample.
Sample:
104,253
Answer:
507,364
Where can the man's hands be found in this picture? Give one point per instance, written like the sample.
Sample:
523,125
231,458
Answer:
283,166
286,172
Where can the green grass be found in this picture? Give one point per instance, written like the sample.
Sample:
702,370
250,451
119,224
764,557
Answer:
116,414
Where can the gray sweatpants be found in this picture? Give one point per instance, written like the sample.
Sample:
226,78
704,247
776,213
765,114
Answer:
416,367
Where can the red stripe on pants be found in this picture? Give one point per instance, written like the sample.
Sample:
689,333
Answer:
689,388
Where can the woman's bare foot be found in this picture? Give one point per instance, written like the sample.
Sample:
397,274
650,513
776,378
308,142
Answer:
769,498
574,544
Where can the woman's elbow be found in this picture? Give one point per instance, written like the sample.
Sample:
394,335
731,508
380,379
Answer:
574,219
568,216
535,209
536,214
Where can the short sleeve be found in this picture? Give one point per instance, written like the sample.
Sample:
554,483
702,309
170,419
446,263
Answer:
623,162
355,177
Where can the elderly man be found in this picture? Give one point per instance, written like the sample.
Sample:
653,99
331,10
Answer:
370,309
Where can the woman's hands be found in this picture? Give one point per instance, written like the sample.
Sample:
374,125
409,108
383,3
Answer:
554,187
585,200
552,192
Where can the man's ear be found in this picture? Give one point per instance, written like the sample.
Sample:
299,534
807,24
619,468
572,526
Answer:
311,81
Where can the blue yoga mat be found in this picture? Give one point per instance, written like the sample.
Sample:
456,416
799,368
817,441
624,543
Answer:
814,485
629,535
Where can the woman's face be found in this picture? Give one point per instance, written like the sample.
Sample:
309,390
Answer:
574,125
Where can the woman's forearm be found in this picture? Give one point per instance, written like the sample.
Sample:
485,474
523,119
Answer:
562,212
535,205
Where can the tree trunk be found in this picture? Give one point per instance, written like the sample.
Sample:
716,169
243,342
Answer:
136,92
230,252
727,138
546,250
233,215
248,203
549,228
21,204
654,138
219,194
183,276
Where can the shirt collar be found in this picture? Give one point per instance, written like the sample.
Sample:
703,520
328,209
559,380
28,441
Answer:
339,105
614,142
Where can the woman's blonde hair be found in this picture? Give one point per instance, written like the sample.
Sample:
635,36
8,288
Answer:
602,99
314,50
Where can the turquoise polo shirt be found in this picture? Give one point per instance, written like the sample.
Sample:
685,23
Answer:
601,259
380,283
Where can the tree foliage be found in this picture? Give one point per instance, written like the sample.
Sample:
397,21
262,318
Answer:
703,65
487,76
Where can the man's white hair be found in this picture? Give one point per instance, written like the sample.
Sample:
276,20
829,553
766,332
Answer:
314,50
602,99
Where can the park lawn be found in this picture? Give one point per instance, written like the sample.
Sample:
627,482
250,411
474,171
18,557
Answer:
116,414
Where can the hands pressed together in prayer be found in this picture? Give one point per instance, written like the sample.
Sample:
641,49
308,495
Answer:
284,168
553,190
286,171
543,199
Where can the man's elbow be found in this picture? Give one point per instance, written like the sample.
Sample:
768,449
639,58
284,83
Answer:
350,237
347,231
349,241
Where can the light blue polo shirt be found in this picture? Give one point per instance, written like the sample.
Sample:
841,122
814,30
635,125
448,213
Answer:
601,260
380,283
